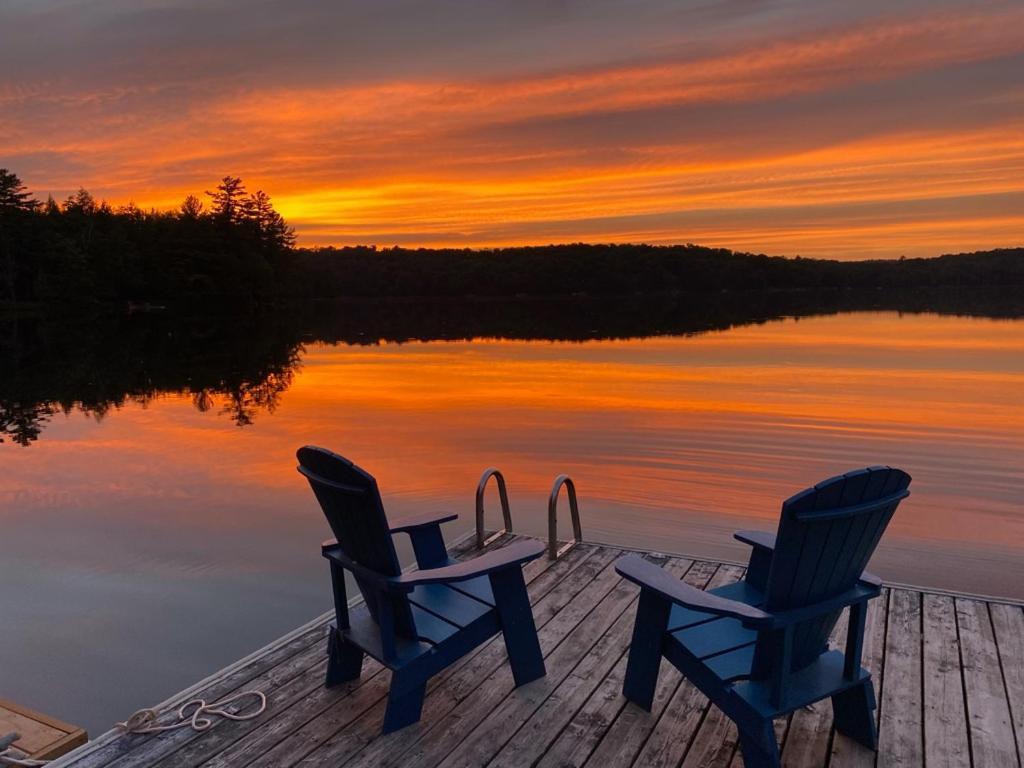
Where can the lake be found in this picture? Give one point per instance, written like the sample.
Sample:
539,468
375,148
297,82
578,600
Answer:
154,528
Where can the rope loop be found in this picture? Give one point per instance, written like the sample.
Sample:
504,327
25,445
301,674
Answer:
195,714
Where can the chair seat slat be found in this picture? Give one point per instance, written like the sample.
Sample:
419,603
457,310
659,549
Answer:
714,637
734,664
741,591
448,603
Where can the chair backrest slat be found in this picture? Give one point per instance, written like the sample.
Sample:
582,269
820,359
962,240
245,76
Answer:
825,538
352,505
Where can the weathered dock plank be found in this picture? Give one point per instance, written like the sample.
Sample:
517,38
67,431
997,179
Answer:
473,735
530,743
988,710
629,731
900,738
945,725
948,671
1008,623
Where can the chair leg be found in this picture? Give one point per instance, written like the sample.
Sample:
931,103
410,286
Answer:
405,702
344,660
513,605
759,747
645,649
853,714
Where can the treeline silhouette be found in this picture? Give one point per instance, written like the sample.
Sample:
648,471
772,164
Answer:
239,364
238,248
84,251
619,269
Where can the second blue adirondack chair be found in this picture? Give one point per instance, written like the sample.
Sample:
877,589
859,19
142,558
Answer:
418,623
758,649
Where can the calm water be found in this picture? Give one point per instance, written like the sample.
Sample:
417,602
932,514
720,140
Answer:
149,539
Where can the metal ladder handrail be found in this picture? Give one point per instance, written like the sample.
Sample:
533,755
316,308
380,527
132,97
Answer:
554,552
506,511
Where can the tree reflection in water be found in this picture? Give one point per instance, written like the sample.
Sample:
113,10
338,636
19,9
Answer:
241,364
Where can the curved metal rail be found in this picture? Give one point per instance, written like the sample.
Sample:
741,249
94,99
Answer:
554,552
506,511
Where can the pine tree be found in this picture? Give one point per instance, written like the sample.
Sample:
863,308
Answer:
80,202
13,194
258,210
191,207
272,228
227,201
278,232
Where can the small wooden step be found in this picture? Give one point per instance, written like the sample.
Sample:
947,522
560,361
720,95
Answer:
42,737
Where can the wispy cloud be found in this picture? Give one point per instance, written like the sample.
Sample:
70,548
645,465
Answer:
777,126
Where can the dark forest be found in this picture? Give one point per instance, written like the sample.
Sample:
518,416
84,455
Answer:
236,248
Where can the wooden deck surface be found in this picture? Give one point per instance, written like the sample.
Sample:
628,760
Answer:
949,672
41,737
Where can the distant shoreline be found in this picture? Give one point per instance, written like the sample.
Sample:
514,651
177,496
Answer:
365,272
979,300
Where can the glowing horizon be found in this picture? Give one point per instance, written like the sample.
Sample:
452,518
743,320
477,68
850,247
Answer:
785,128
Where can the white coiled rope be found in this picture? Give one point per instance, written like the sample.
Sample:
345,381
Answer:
195,714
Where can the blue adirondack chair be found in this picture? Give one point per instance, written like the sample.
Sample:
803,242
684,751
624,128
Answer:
758,649
418,623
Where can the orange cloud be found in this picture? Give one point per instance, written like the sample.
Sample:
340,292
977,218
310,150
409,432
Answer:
884,137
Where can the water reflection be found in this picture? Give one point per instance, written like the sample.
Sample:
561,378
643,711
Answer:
100,363
240,365
149,539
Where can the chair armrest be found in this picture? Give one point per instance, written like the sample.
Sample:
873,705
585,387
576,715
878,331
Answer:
512,556
871,579
650,577
858,593
332,551
757,539
415,522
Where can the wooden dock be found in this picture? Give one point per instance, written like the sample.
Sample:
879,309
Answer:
40,736
948,669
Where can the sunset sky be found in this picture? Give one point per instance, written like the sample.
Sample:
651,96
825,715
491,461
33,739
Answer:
849,130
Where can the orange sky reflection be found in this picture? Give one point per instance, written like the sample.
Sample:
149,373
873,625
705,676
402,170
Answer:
672,441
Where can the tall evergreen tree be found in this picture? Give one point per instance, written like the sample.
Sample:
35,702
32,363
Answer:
227,200
14,196
16,202
81,202
191,207
258,210
272,228
278,233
